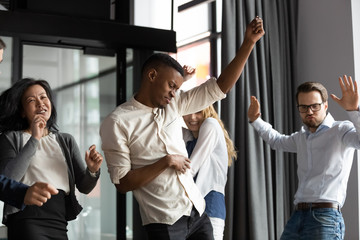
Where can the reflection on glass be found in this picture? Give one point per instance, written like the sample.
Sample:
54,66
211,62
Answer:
85,92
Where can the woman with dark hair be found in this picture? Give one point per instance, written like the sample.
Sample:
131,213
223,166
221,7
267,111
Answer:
31,150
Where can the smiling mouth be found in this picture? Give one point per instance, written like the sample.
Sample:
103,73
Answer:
193,123
41,112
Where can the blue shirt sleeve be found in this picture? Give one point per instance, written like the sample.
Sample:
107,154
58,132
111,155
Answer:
12,192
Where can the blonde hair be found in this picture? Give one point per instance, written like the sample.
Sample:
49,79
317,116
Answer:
210,112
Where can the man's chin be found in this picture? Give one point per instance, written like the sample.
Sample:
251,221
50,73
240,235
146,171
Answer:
162,106
311,125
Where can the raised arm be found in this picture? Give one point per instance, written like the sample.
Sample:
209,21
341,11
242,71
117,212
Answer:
350,96
227,79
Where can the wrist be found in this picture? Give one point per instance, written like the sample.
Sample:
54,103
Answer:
93,173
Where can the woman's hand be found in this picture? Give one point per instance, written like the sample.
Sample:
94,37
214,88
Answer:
38,127
189,72
93,159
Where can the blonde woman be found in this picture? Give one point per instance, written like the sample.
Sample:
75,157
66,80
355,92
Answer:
211,151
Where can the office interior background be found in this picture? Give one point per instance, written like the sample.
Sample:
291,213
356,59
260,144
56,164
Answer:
91,51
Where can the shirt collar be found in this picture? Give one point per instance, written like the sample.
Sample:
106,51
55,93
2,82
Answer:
138,104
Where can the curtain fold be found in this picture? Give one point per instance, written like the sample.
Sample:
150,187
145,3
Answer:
262,182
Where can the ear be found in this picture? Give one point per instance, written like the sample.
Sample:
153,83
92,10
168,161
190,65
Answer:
152,75
326,105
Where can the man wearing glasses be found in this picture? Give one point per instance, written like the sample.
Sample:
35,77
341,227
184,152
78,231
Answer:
325,151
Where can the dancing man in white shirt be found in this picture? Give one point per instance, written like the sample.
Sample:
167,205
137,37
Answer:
325,151
144,150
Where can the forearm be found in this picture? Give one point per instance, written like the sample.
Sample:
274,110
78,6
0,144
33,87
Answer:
85,183
276,140
137,178
15,164
233,71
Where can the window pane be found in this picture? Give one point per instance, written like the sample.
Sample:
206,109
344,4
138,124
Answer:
153,13
196,55
184,21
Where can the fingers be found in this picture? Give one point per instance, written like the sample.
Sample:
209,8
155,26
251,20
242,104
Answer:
254,103
39,121
188,69
355,86
95,155
189,72
38,125
350,96
334,97
92,147
257,25
254,109
253,100
39,193
93,159
185,165
347,84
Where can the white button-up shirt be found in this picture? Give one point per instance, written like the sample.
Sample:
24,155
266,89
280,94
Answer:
135,135
324,157
209,159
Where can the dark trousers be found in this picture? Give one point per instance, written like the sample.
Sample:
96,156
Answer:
40,223
193,227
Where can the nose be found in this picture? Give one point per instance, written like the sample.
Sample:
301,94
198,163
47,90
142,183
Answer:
193,116
309,110
39,103
172,93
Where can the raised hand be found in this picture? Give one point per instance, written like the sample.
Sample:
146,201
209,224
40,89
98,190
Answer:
254,109
93,159
189,72
255,30
38,126
39,193
350,96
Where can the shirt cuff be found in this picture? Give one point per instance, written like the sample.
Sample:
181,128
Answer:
95,174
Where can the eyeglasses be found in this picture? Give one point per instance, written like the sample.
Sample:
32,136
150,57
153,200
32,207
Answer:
314,107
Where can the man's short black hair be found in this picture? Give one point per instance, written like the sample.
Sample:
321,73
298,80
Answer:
158,59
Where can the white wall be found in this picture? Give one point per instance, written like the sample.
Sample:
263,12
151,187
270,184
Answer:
325,52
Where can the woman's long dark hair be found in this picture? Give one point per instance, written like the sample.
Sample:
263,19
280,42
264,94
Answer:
11,108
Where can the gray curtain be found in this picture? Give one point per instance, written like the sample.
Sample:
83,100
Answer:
262,182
